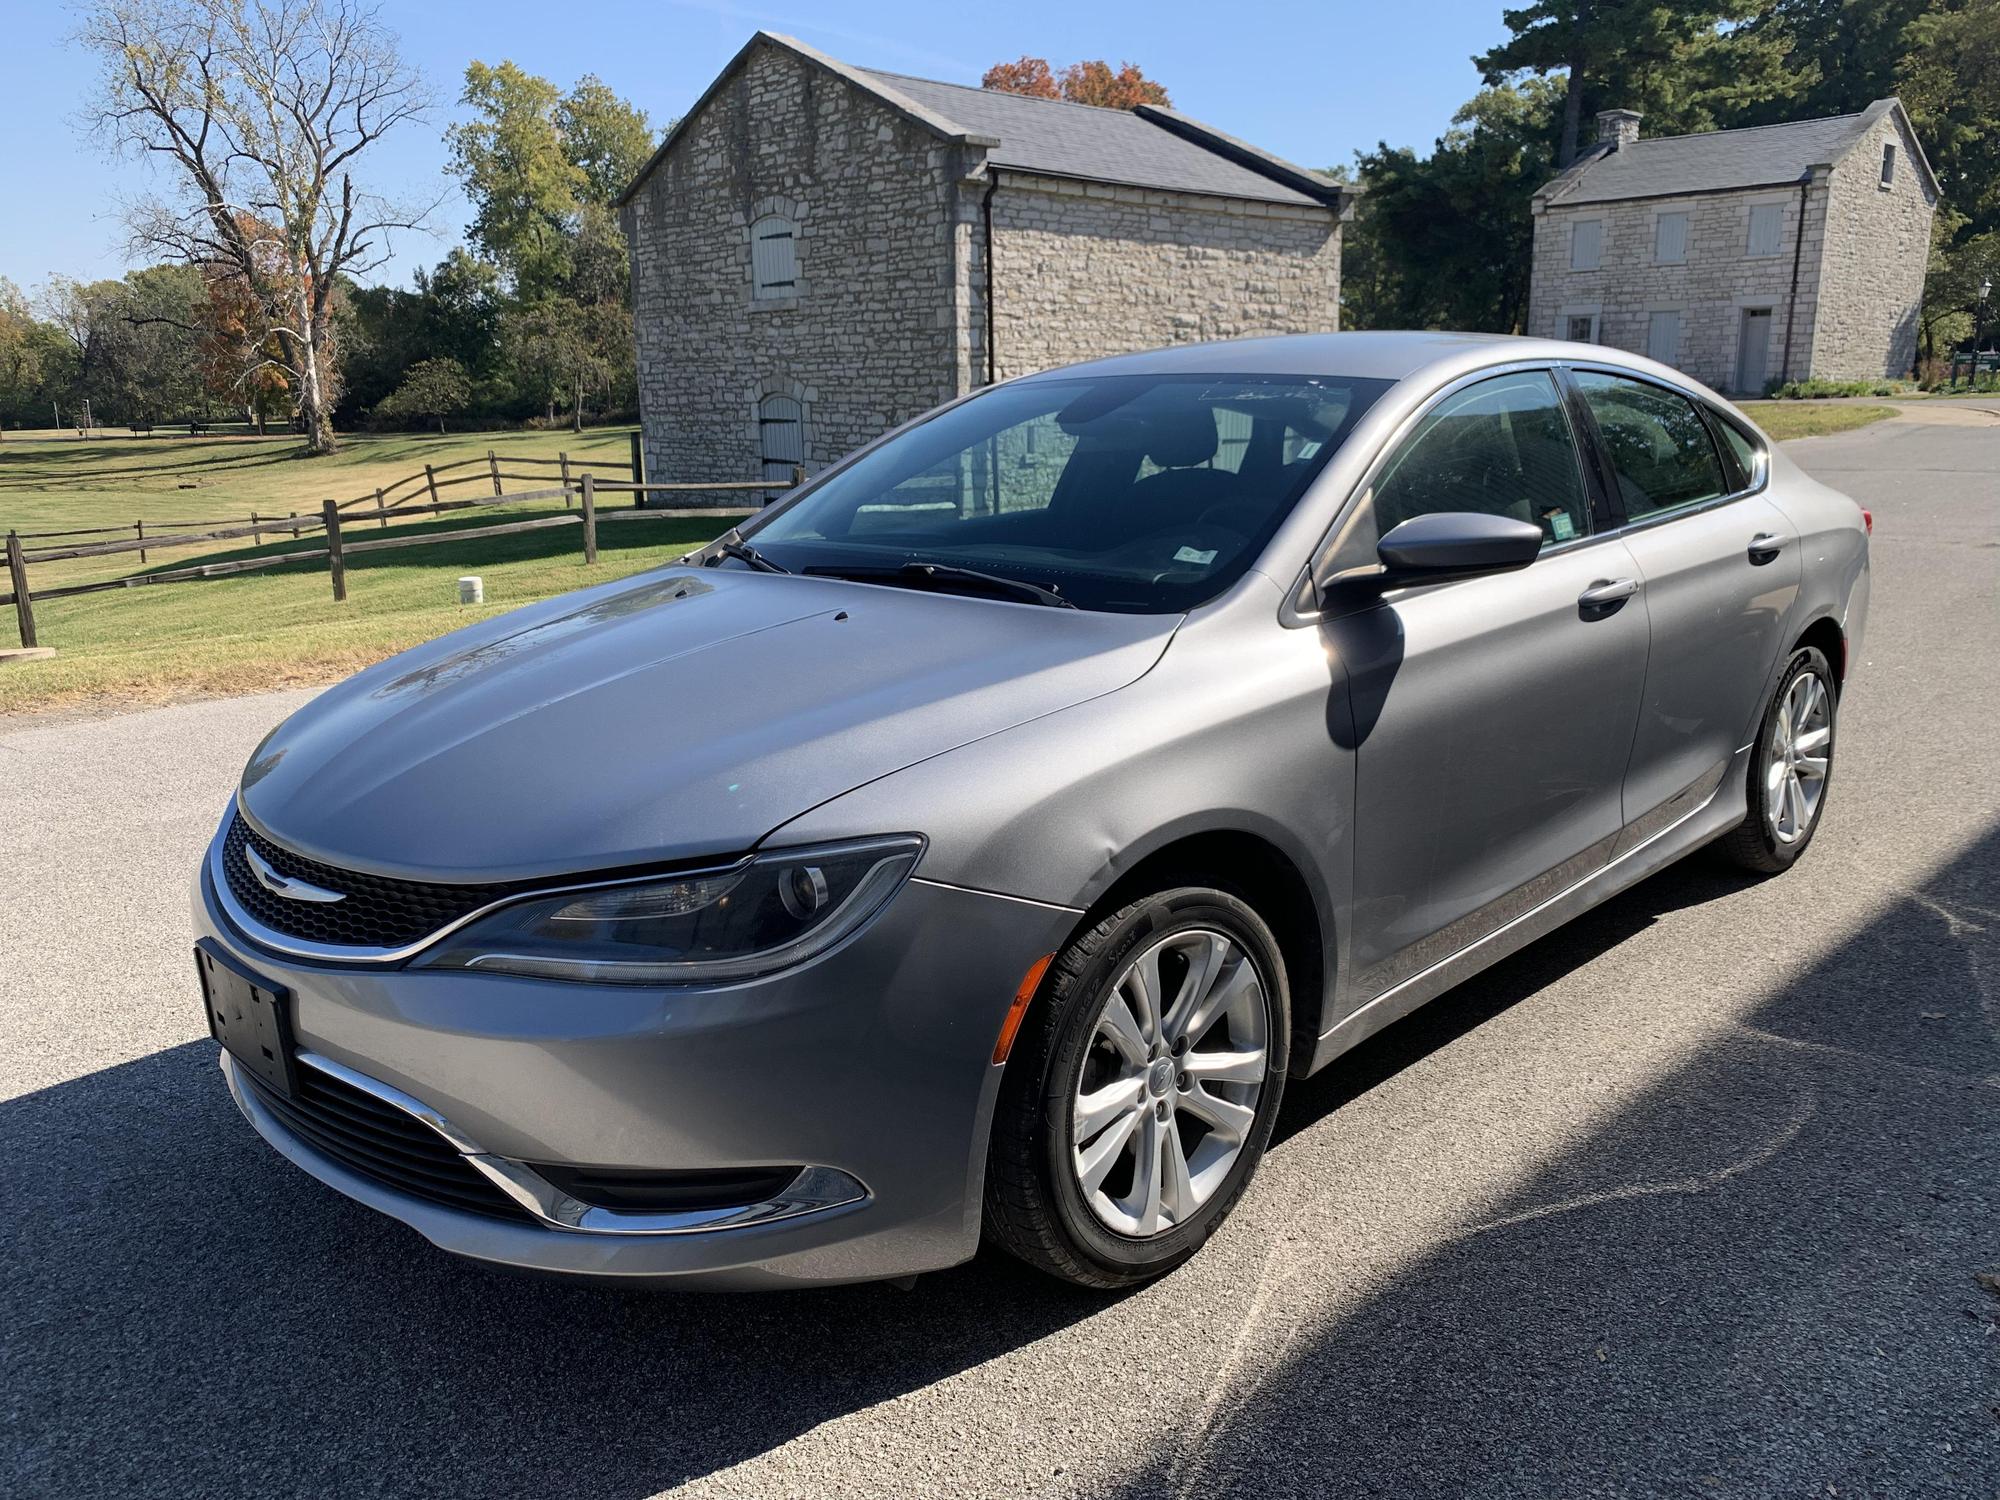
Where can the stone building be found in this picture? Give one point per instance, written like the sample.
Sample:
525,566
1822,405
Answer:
820,252
1743,257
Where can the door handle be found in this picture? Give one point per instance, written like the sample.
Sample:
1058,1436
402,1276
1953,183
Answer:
1606,594
1765,545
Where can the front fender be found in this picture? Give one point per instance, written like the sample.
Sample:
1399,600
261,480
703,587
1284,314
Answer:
1232,731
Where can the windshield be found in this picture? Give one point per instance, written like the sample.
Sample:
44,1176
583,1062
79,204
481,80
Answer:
1136,493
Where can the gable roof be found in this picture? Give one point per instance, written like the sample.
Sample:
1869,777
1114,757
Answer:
1145,147
1673,166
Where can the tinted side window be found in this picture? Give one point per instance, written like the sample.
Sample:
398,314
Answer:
1502,447
1657,443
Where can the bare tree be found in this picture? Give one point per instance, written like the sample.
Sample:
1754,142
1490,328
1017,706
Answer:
260,108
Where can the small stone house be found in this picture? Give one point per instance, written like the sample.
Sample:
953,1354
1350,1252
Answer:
1744,257
820,252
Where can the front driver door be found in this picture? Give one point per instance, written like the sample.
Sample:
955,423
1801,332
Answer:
1492,717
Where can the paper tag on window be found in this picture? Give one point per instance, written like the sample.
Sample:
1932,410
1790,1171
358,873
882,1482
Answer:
1190,555
1561,525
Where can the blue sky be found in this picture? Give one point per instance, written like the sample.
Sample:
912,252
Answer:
1312,80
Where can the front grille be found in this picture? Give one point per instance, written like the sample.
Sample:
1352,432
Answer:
377,912
381,1141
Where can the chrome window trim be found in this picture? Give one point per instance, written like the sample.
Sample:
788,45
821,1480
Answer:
1292,617
814,1190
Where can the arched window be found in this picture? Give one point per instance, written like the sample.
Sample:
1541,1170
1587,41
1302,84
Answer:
781,437
774,257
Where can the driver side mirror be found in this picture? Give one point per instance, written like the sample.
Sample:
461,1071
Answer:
1435,548
1452,544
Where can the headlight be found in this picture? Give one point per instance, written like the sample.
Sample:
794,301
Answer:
762,915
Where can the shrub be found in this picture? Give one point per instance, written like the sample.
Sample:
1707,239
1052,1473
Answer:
1819,390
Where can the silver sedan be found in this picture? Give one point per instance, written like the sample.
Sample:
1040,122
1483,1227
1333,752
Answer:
973,843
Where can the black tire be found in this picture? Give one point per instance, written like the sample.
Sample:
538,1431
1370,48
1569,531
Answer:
1754,844
1034,1206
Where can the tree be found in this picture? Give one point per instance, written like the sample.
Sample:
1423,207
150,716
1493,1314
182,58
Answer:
241,361
561,349
1612,53
1027,75
1080,82
1960,264
1446,241
21,348
133,344
260,111
1949,75
524,188
433,388
542,169
604,137
1096,83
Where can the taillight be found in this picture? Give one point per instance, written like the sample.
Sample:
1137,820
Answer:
1868,520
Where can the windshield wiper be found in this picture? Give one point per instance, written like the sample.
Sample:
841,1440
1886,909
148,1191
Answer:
1012,588
731,544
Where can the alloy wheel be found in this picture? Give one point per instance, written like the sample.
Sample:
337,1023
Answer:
1795,770
1168,1088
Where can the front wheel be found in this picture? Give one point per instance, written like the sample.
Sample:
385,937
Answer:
1141,1093
1790,769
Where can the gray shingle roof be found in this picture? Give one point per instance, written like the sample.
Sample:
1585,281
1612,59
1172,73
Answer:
1668,166
1080,140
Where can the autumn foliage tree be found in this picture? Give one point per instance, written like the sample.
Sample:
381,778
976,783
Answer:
243,361
1094,82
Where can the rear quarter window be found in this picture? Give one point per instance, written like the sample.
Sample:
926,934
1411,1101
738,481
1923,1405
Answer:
1744,451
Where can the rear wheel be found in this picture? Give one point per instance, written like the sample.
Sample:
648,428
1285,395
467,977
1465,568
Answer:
1140,1095
1790,769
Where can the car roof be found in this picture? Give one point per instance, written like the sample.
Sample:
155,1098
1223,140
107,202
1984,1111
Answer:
1370,355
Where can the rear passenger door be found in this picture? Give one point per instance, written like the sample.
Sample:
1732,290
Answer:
1719,566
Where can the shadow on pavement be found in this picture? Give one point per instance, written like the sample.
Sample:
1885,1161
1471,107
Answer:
188,1314
1756,1280
1733,1289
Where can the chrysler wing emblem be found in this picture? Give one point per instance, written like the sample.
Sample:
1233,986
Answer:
284,885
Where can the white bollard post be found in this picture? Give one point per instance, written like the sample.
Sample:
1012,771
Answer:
471,590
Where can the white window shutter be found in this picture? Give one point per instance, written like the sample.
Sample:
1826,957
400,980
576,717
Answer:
1586,244
1670,238
1767,225
774,261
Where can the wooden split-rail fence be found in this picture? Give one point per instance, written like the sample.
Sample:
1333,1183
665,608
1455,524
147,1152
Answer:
577,485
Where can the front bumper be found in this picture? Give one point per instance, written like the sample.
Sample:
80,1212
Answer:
873,1061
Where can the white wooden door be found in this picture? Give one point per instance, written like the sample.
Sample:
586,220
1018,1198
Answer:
1753,351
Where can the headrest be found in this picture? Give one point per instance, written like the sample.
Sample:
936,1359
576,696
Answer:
1185,443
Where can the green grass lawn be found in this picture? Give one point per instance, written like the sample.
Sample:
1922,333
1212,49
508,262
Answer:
1797,419
280,627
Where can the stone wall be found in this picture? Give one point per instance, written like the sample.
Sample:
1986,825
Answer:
1710,289
876,331
1877,248
1082,270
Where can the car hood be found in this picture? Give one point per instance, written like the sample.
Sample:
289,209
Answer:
670,716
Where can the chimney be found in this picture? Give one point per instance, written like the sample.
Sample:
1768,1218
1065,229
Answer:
1617,128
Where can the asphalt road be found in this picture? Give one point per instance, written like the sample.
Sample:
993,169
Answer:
1687,1200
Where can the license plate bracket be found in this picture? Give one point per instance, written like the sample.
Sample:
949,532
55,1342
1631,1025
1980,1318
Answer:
247,1014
